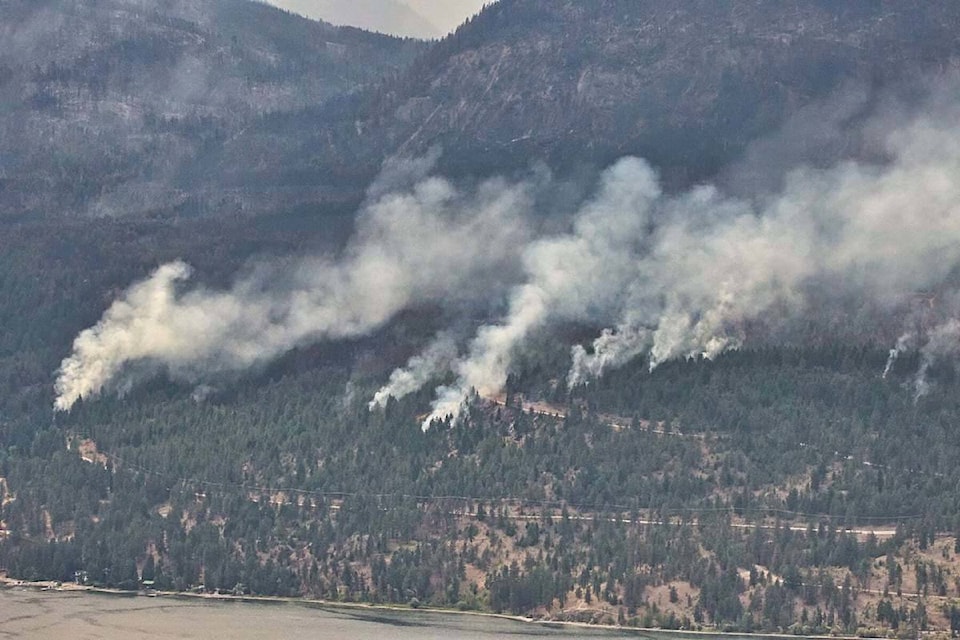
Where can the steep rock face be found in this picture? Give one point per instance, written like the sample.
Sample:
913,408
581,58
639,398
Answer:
685,83
109,106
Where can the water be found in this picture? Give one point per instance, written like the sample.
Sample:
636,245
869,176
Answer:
80,615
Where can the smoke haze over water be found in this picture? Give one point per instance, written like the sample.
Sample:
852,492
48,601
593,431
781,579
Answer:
669,275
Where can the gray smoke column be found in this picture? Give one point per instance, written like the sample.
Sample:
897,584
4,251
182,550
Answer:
878,232
923,312
419,239
682,276
573,276
612,349
943,342
934,335
903,344
436,359
671,276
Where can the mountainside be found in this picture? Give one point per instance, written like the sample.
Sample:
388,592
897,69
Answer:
585,394
109,105
685,84
148,109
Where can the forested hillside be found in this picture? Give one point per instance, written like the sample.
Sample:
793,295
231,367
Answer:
702,494
775,468
112,108
686,85
226,107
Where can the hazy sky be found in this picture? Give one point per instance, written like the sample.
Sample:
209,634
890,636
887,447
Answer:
446,14
422,18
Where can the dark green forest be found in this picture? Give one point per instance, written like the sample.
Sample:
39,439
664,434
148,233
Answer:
282,482
782,487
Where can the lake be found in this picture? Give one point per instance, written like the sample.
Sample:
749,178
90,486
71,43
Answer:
76,615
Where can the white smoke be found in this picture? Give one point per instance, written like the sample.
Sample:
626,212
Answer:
716,264
943,342
613,348
671,276
903,343
425,242
419,370
933,333
922,314
683,276
574,276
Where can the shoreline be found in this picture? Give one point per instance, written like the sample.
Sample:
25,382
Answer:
47,586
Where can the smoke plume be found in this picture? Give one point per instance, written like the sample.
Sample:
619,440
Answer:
879,233
423,241
420,369
943,342
933,332
685,275
574,276
903,343
613,348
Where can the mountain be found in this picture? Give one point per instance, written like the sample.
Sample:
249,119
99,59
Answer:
687,84
228,106
108,105
780,470
384,16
